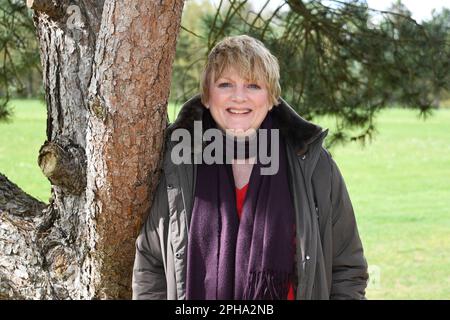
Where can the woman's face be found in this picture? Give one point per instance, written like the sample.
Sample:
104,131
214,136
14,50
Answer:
237,104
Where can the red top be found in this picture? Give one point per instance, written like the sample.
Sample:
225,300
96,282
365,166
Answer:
240,197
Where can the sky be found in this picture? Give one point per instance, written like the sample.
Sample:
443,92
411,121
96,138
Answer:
420,9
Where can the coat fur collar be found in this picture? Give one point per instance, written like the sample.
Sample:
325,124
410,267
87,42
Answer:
298,131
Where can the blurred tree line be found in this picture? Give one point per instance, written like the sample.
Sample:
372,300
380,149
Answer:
20,69
338,58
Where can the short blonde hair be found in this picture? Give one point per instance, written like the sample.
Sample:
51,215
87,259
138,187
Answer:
249,57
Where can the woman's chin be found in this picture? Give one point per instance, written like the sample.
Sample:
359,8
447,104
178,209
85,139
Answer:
240,131
236,125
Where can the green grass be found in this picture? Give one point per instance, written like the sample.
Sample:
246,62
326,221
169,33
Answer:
20,140
399,185
400,188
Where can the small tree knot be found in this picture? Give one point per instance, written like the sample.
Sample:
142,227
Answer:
64,164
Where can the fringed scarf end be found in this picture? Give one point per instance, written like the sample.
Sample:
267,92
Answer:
267,285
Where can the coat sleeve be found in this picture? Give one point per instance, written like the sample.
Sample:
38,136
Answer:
349,268
149,280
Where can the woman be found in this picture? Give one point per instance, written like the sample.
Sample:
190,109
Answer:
226,230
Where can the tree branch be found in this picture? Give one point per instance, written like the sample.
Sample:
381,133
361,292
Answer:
16,201
21,270
64,167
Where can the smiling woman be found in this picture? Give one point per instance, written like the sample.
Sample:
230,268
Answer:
226,230
237,103
239,91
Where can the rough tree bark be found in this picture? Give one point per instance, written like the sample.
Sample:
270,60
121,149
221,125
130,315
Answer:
106,68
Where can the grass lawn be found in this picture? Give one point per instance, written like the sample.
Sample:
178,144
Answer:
400,188
399,185
20,140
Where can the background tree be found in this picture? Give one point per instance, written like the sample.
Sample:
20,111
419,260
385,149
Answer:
191,51
422,56
343,59
438,29
106,68
20,73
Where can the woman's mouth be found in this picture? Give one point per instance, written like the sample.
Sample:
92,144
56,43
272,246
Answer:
235,111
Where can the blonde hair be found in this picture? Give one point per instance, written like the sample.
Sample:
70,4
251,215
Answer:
249,57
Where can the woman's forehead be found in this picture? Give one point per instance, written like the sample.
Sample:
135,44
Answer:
233,74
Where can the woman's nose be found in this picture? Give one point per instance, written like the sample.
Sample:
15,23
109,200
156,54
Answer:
239,94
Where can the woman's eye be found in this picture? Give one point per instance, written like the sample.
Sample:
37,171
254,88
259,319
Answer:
254,86
224,85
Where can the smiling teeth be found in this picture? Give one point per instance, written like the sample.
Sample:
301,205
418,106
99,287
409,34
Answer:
239,111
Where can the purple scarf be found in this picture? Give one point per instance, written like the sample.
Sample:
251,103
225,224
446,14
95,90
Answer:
243,260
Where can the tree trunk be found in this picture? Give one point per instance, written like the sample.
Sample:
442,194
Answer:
106,68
